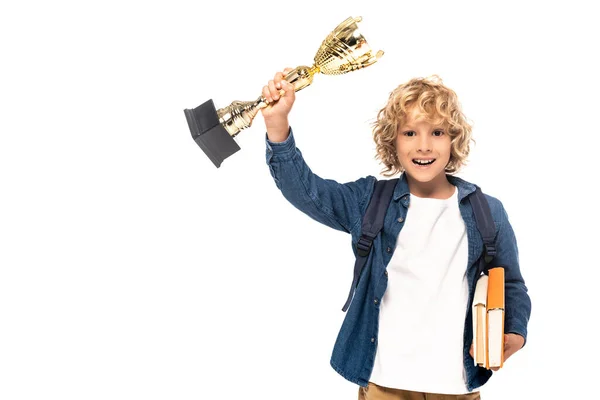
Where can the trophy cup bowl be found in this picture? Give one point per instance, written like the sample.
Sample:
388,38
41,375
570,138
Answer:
343,50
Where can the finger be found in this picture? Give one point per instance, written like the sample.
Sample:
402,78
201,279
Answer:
471,351
273,90
509,351
277,79
266,94
287,87
287,70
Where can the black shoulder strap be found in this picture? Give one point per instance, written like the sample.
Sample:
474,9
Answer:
486,226
372,223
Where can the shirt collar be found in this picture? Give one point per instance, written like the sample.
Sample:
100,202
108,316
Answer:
464,188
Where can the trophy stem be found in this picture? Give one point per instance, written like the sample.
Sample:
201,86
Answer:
239,114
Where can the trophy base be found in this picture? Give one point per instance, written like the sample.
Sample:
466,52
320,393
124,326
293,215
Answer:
209,134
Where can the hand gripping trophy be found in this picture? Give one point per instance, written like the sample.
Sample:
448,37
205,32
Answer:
343,51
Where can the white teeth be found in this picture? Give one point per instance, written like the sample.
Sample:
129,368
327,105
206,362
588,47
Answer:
424,162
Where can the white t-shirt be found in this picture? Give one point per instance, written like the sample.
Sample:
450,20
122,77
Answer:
423,311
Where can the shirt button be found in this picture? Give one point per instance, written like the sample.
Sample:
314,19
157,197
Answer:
376,301
386,273
400,219
372,340
389,249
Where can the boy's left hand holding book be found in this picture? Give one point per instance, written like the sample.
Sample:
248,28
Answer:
512,344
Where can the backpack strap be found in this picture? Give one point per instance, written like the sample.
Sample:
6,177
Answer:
372,223
486,226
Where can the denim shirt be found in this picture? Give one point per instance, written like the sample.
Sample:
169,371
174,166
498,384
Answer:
342,206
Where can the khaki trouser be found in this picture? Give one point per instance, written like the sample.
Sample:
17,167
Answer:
376,392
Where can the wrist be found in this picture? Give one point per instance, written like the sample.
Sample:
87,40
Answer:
277,131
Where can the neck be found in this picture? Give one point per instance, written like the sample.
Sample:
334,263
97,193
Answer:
437,188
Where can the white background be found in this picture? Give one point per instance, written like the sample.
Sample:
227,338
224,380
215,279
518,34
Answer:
132,268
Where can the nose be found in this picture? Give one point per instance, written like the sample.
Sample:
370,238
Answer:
425,143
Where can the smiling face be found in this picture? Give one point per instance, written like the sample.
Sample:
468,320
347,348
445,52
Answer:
440,103
423,149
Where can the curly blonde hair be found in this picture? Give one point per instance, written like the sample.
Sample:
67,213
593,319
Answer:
437,104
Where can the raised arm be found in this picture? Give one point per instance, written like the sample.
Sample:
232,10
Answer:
337,205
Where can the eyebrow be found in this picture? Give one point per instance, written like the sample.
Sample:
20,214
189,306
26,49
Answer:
411,128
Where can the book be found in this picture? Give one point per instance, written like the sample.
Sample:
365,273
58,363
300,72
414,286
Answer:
480,321
495,318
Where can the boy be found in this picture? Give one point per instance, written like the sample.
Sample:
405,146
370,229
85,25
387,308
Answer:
407,333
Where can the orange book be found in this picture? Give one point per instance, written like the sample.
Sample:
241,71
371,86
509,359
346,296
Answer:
495,318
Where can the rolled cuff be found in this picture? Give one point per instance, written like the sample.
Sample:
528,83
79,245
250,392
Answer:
281,151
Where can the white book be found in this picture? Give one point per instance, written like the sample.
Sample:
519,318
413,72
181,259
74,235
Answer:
480,321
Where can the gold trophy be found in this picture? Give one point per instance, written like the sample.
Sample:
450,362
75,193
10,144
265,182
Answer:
344,50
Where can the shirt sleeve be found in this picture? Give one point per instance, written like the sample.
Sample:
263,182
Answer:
337,205
517,302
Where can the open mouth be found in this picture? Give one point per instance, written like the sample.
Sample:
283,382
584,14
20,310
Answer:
422,162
